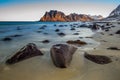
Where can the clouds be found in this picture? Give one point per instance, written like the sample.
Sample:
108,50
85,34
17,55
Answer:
33,12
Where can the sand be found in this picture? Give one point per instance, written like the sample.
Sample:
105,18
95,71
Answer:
42,68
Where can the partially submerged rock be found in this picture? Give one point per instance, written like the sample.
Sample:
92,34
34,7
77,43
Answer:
7,39
57,30
72,28
99,59
118,32
76,34
45,41
16,35
61,34
61,55
78,42
113,48
28,51
95,27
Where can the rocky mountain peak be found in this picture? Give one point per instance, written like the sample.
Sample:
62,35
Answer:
115,12
54,15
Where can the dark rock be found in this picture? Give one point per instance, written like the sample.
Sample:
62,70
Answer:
55,25
76,42
111,34
88,37
61,34
118,32
72,29
106,30
39,31
76,34
7,39
61,25
61,55
113,48
45,33
16,35
45,41
43,27
57,30
28,51
99,59
95,27
83,25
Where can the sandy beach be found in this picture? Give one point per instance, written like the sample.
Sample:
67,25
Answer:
42,67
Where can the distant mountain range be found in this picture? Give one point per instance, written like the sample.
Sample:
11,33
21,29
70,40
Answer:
114,15
54,15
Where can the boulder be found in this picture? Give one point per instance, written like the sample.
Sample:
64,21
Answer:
28,51
99,59
113,48
118,32
76,42
61,55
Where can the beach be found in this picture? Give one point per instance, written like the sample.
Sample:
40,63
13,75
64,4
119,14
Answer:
42,67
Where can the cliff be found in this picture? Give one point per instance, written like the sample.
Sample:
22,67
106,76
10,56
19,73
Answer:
55,15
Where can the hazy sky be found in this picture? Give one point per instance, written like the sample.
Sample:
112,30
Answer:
33,10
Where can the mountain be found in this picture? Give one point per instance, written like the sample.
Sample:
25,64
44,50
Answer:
114,15
54,15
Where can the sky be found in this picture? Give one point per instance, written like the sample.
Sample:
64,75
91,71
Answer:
33,10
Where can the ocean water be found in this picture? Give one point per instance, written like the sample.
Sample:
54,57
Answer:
41,67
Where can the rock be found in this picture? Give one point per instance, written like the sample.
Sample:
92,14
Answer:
28,51
45,33
95,27
76,34
61,34
16,35
7,39
57,30
54,15
99,59
39,31
83,25
76,42
61,25
113,48
118,32
55,25
72,29
45,41
61,55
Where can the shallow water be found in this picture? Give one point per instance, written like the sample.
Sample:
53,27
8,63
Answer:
41,67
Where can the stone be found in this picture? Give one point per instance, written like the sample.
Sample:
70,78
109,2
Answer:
61,34
57,30
28,51
45,41
113,48
62,54
76,42
76,34
118,32
7,39
99,59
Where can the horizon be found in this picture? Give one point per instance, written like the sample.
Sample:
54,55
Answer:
33,10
